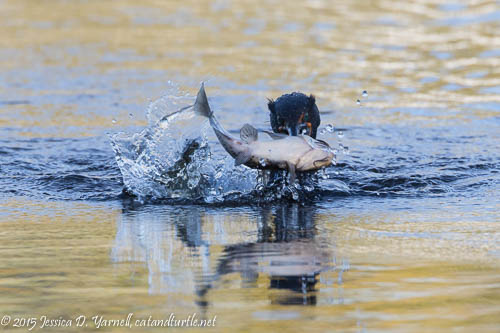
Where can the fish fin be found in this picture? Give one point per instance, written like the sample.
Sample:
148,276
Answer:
316,143
201,106
291,172
276,136
242,158
321,144
248,133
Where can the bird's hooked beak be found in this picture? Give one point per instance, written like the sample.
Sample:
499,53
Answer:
296,127
292,129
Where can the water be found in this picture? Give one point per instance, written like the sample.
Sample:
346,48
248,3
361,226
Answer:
401,234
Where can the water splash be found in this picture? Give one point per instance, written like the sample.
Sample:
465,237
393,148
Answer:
173,158
160,161
344,149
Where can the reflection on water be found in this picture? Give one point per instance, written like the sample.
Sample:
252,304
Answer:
285,250
368,267
178,250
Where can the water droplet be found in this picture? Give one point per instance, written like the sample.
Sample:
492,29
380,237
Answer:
322,132
262,162
113,121
330,128
358,102
295,195
130,115
365,93
345,150
324,175
340,134
218,175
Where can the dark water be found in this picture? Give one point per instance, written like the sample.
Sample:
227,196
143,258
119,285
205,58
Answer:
60,169
457,162
402,234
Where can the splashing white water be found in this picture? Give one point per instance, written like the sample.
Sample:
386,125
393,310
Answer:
171,157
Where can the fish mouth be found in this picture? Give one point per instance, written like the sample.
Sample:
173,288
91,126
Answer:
320,163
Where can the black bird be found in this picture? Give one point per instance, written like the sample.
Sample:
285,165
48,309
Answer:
294,114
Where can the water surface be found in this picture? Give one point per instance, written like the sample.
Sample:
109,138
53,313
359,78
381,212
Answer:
401,235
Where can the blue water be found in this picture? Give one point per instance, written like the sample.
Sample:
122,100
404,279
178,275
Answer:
390,161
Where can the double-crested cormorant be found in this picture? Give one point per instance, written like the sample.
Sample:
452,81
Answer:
294,114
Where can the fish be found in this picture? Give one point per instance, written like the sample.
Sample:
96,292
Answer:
292,153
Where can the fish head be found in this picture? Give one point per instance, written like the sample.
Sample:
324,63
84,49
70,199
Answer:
315,159
321,155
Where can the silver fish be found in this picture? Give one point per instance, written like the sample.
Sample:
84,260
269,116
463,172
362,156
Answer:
292,153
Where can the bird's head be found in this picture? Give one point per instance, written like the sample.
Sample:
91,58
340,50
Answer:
294,114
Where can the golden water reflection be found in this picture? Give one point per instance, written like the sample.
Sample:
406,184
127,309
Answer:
288,266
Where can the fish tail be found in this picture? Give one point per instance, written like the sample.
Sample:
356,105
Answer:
201,106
